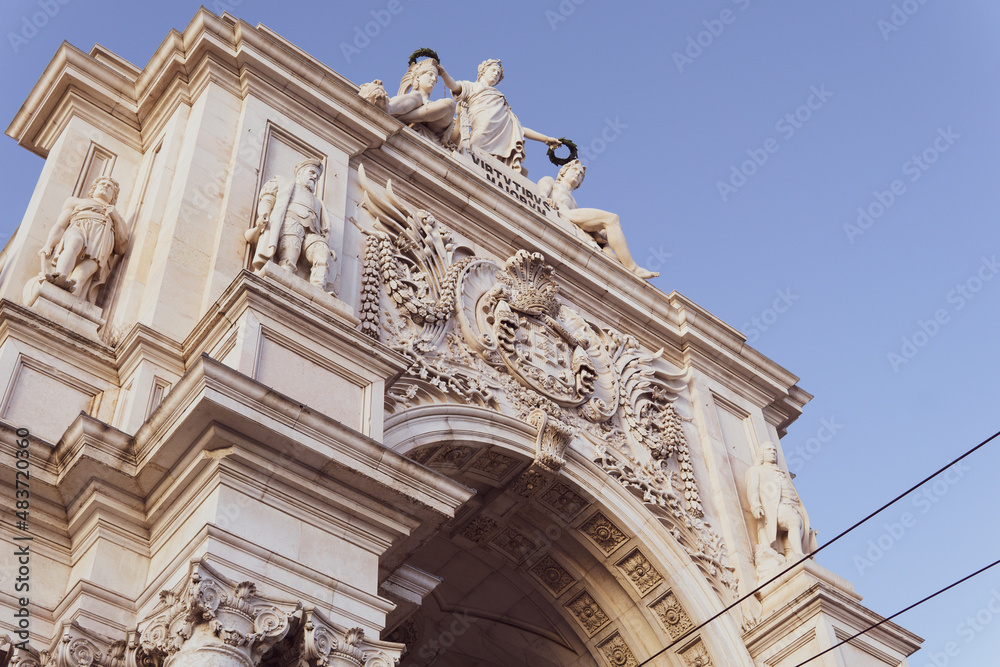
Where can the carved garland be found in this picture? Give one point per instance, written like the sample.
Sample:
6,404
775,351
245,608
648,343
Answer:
500,337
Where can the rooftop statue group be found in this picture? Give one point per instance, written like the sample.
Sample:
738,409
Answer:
485,122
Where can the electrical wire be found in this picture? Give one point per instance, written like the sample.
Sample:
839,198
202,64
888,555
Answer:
886,620
813,554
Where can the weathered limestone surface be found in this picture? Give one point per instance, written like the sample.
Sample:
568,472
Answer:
467,429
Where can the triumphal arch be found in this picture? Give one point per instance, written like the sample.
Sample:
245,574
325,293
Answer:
297,372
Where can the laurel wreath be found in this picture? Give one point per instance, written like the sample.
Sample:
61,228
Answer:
560,161
424,53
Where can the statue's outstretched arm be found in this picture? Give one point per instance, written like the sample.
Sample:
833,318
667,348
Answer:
551,142
453,85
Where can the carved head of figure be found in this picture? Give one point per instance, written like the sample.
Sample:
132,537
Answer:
425,75
491,72
105,189
571,174
769,454
308,172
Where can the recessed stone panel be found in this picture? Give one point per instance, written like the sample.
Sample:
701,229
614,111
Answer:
493,465
616,652
513,544
564,500
640,571
588,613
605,534
670,612
552,574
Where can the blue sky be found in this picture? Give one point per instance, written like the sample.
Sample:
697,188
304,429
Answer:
738,140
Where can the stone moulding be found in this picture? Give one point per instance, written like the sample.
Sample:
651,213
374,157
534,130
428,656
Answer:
499,336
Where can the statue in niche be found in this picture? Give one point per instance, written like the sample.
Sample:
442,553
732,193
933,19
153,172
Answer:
487,121
435,119
782,524
86,240
293,223
604,227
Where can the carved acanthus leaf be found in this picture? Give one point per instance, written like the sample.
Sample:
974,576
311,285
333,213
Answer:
238,619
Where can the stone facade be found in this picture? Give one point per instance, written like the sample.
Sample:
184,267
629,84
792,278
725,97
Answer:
342,392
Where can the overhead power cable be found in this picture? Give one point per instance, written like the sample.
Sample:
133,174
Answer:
813,554
886,620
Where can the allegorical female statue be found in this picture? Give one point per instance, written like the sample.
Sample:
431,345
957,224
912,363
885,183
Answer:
87,238
486,120
435,119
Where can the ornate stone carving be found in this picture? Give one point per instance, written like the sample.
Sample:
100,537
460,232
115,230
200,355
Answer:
452,457
87,239
552,574
604,227
77,646
374,93
670,612
588,613
564,500
782,523
552,440
208,620
317,642
697,655
528,483
500,337
293,224
617,652
604,533
486,120
479,529
493,464
423,455
640,571
513,544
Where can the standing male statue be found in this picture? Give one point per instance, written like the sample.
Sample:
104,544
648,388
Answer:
88,236
558,193
487,121
782,523
292,222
